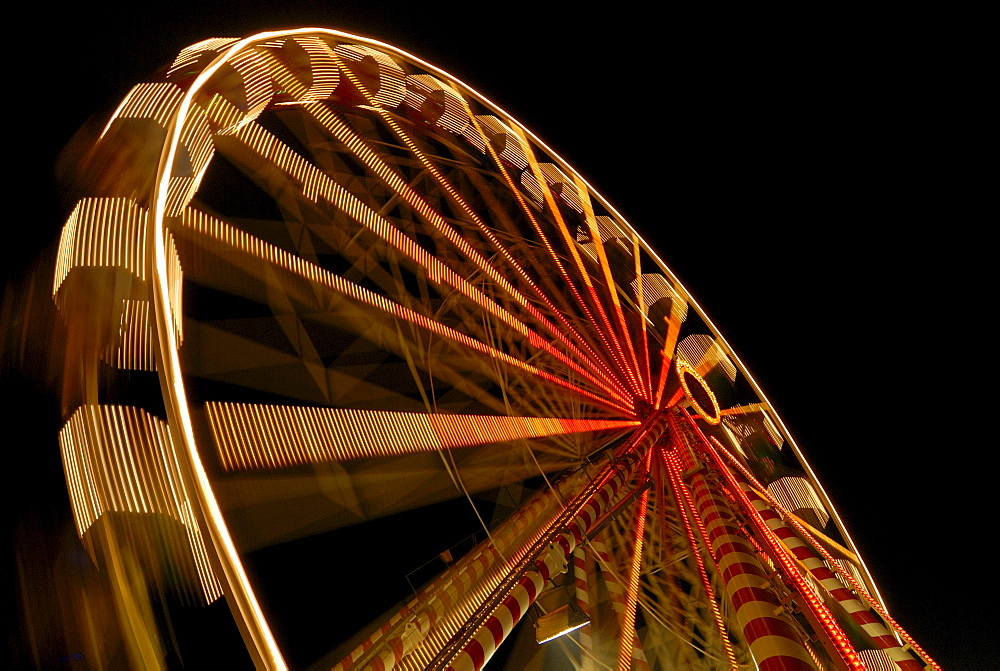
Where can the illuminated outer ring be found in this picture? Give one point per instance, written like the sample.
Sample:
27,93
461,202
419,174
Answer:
685,369
264,649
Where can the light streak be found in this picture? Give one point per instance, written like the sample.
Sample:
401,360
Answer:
320,68
625,648
491,135
688,516
581,196
545,241
437,270
768,631
780,556
384,86
833,563
644,349
512,149
511,140
261,644
238,239
451,600
552,555
272,436
132,348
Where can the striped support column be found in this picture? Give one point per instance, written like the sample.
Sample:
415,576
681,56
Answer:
440,599
445,599
846,576
861,614
692,525
773,640
626,652
488,638
582,595
498,626
811,606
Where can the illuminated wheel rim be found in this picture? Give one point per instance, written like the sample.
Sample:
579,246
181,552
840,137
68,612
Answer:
365,287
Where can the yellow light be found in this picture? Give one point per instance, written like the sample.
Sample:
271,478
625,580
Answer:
711,414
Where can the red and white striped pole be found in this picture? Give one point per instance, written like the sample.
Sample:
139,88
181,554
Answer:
812,606
699,543
395,639
822,552
774,641
829,581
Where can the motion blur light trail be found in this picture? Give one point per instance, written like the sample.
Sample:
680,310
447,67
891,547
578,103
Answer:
326,286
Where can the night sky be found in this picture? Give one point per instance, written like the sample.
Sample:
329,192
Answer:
777,164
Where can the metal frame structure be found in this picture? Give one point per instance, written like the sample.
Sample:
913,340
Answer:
328,283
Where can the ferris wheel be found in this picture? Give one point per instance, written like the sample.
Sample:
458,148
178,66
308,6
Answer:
322,296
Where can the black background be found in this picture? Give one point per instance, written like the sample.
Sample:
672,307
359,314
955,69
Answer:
787,167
